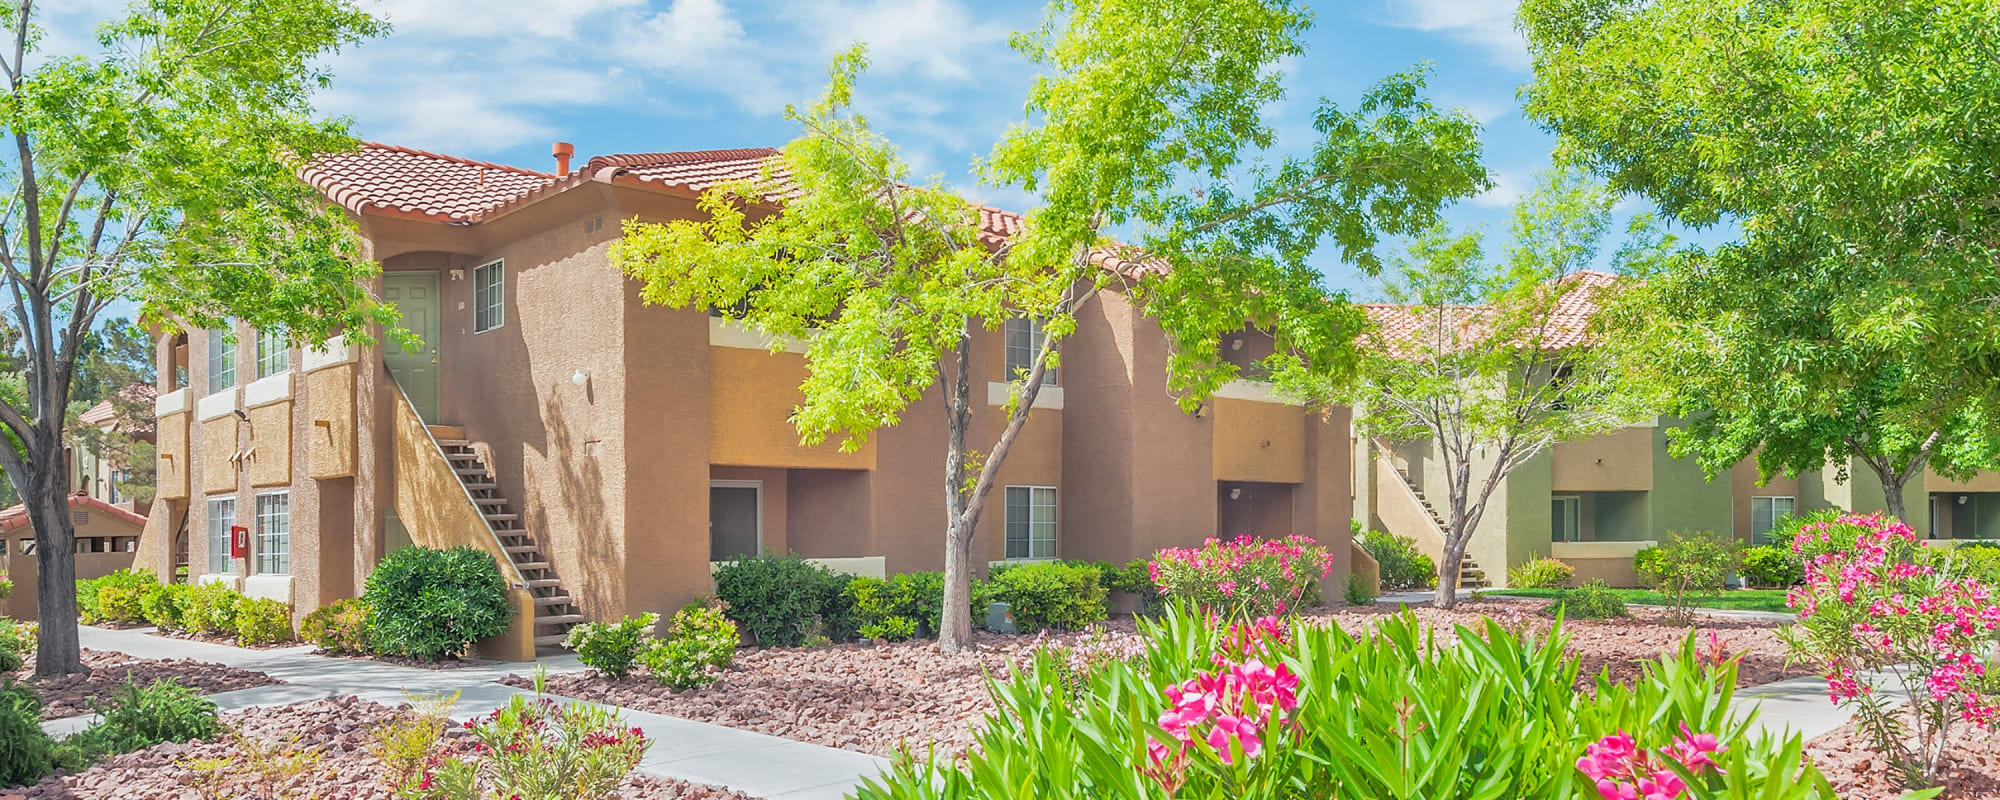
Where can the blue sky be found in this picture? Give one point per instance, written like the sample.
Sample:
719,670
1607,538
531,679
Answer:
501,79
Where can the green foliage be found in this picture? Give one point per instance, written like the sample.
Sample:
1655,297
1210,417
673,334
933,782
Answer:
1844,139
1050,595
538,749
1689,568
1978,563
1402,565
1358,593
262,621
15,642
1540,573
211,609
341,627
1398,714
612,648
699,646
115,597
136,718
784,600
1481,364
6,587
26,751
1595,599
880,611
163,605
1771,565
433,604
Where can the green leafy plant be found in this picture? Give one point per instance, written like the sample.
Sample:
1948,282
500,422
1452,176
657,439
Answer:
612,648
783,600
1540,573
1243,578
211,609
537,749
16,639
26,751
6,587
1358,593
340,627
1050,595
1136,578
1772,566
433,604
136,718
263,621
700,644
880,610
1593,600
408,744
125,587
163,604
1403,566
1689,567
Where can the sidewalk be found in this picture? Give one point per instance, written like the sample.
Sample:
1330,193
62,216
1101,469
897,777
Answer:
1426,597
753,763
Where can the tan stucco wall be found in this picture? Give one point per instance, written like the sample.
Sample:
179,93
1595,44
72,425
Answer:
750,414
1256,441
171,455
1619,461
1980,482
330,442
271,463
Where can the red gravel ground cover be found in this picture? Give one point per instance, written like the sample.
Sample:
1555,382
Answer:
880,699
338,730
70,695
1858,771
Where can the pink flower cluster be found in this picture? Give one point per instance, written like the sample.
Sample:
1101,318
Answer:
1230,710
1624,772
1245,576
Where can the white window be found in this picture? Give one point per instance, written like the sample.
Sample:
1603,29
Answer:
1765,513
1023,342
1031,522
1565,519
489,297
221,361
221,515
274,533
274,354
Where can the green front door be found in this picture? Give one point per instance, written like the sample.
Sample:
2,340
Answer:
415,295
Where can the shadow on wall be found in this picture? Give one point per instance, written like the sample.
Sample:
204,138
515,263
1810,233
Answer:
579,483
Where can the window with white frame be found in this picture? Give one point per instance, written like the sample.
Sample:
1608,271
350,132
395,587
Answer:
1565,519
274,533
221,361
1023,342
489,297
221,515
274,354
1765,513
1031,522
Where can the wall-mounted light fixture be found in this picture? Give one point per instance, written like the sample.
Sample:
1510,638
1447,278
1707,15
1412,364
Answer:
579,377
1962,498
458,274
1236,493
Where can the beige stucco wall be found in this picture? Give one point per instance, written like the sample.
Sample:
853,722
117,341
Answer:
1619,461
1258,441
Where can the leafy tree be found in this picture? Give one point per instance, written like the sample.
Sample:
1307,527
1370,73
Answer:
1143,117
1853,142
1478,361
159,170
112,361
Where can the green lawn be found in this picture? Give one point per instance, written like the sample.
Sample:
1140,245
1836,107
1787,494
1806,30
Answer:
1734,599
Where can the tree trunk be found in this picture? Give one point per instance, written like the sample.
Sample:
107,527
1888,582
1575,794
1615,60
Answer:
961,516
57,649
1892,499
955,626
1454,553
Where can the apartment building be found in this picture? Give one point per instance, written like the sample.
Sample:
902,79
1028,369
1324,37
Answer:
607,452
107,520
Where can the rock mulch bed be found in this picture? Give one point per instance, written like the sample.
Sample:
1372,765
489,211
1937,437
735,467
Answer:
879,700
71,695
1859,771
336,730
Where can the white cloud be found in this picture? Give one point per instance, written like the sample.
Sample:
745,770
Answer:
936,38
514,19
1506,190
1486,24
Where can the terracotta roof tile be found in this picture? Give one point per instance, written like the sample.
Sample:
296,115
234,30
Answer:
105,414
14,517
400,181
1570,319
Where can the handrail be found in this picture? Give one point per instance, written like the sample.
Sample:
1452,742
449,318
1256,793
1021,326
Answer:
521,580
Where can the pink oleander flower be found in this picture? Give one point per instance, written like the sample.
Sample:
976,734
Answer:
1622,771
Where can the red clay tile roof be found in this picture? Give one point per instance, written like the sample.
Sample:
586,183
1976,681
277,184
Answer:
104,414
14,517
400,181
1568,327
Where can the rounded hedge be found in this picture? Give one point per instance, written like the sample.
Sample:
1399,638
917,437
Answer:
433,604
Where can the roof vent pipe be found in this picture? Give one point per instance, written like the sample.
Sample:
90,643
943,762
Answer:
562,151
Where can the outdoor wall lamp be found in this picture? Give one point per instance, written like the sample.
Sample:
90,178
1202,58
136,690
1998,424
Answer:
579,377
1236,493
1962,498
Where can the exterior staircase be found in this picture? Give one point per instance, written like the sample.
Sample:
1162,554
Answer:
555,609
1470,574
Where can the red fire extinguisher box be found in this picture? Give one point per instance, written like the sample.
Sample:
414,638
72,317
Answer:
239,541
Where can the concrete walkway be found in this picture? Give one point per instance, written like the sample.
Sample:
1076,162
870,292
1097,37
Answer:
753,763
1425,598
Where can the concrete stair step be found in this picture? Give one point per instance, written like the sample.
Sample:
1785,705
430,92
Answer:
442,432
523,548
558,619
551,640
530,566
502,517
554,600
549,583
490,501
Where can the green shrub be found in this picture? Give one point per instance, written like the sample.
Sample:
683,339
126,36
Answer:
433,604
26,751
1403,566
1540,573
6,587
700,644
1136,579
135,719
16,640
1970,560
1358,593
1593,600
262,621
881,610
210,609
1244,578
1050,595
125,587
1692,565
339,627
1395,714
163,604
612,648
1772,566
783,601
